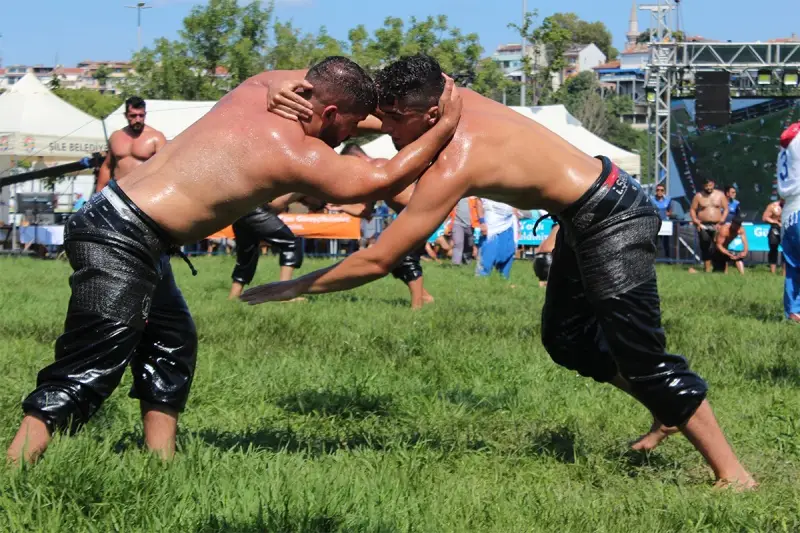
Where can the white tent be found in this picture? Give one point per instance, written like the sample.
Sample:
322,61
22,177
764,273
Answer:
36,123
170,117
39,127
558,120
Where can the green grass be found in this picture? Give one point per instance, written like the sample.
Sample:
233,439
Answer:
352,413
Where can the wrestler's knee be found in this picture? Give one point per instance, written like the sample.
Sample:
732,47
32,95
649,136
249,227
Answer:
291,254
666,386
541,265
164,370
578,350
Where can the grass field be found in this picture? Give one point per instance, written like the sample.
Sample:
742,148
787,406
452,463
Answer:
352,413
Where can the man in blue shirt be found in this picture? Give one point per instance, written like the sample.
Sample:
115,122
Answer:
733,203
664,205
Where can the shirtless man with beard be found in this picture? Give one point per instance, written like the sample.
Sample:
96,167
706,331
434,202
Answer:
709,210
125,306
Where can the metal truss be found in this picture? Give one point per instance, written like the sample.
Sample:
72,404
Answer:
668,59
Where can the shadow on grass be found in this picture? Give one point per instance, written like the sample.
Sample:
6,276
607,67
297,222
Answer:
558,443
469,399
275,521
764,312
634,463
345,404
781,372
288,440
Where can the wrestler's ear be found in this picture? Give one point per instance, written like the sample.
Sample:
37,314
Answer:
432,116
329,114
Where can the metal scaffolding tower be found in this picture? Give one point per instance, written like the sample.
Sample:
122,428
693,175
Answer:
669,59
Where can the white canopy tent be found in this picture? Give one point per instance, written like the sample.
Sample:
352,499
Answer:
39,127
170,117
558,120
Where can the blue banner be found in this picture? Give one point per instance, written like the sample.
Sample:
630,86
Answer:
757,238
757,234
526,237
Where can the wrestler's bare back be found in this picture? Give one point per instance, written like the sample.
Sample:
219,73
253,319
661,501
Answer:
217,169
510,158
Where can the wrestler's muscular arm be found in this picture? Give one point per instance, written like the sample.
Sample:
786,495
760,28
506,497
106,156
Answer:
435,196
725,208
317,170
745,246
107,168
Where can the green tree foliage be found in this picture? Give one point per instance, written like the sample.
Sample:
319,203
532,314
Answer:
583,32
89,101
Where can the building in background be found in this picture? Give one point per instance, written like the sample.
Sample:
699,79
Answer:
579,58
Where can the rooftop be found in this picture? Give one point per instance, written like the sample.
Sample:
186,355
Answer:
611,64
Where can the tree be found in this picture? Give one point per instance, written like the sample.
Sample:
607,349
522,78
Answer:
101,75
89,101
168,72
490,81
587,32
55,82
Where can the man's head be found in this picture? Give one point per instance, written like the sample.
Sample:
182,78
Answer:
408,96
736,222
708,185
730,192
354,150
343,95
135,113
660,191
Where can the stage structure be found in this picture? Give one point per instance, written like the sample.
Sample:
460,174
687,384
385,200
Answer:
753,67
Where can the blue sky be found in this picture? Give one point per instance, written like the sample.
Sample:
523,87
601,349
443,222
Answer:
43,31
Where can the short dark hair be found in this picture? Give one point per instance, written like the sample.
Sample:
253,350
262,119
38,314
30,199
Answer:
341,82
709,180
738,218
416,81
729,187
135,102
353,149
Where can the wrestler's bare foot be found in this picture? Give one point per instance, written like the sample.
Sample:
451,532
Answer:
236,291
295,300
30,442
542,284
692,270
740,482
427,298
658,432
160,428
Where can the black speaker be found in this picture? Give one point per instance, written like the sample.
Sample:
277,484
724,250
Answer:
713,78
713,99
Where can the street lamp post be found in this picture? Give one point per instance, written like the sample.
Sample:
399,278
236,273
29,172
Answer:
524,77
138,7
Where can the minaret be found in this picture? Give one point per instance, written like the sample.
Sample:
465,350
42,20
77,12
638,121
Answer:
633,26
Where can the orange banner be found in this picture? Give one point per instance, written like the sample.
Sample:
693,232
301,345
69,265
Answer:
312,226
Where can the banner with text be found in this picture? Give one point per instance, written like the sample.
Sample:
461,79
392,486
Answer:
312,226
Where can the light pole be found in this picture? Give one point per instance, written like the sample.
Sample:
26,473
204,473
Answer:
138,7
524,78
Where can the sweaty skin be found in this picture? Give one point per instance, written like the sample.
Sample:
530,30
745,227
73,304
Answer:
772,214
709,207
498,154
127,150
552,176
239,156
